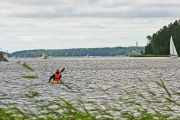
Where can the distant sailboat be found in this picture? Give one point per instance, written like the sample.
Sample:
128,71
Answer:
173,52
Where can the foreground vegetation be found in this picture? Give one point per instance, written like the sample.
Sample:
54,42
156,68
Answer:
133,106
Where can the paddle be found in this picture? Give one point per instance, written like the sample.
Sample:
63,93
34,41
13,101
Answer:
63,82
62,70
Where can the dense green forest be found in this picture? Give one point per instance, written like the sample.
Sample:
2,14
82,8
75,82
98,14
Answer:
158,43
106,51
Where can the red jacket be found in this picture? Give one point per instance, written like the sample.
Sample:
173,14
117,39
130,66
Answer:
57,76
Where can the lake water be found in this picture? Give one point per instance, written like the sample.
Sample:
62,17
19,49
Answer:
91,79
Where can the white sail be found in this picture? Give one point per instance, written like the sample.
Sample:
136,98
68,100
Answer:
173,51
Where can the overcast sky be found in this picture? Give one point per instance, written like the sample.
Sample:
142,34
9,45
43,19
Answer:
64,24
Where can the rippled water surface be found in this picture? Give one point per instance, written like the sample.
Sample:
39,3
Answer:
89,78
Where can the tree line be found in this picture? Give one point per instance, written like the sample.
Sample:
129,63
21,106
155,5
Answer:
106,51
159,42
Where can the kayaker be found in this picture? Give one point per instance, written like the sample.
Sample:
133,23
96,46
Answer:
56,76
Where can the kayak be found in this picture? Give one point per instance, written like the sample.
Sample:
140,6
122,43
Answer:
56,82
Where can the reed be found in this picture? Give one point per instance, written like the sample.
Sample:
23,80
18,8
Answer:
25,65
29,77
129,108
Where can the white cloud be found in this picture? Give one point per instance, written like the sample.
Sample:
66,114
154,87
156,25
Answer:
53,24
85,8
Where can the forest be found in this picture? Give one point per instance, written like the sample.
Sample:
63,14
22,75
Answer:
159,42
106,51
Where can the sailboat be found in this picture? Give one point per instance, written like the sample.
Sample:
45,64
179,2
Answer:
173,52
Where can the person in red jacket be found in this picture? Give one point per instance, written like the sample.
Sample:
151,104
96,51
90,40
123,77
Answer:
56,77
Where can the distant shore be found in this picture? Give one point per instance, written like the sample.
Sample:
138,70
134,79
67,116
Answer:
150,55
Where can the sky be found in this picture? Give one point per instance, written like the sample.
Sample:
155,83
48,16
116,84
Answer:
66,24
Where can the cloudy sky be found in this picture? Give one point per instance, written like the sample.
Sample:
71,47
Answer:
64,24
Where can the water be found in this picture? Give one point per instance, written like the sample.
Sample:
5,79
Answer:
92,79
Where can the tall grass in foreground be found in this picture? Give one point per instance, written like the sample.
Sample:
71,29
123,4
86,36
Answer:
25,65
29,77
131,107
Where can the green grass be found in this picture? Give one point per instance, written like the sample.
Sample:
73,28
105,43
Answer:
29,77
128,108
25,65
